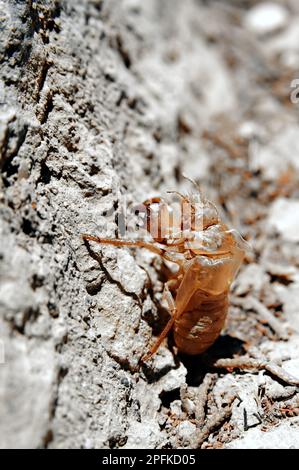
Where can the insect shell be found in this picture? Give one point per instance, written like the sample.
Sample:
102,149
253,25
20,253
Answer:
207,255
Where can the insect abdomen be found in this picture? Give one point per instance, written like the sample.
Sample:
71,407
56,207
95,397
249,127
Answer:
201,324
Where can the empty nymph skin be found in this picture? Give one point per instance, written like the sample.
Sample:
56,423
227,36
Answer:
208,256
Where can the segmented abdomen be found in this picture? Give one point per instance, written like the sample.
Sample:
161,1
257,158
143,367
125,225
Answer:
200,325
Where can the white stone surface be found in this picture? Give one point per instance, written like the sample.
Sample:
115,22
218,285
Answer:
278,155
284,218
266,18
283,436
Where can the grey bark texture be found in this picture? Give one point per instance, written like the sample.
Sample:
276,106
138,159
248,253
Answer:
123,96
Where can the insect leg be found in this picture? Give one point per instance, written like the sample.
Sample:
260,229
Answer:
172,309
163,335
171,306
187,288
189,285
154,247
174,282
167,295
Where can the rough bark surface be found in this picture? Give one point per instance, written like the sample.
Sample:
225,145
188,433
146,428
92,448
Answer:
99,97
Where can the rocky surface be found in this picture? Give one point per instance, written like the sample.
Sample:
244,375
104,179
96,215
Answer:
107,98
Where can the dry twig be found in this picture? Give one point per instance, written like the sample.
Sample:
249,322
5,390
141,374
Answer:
213,424
202,397
246,362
